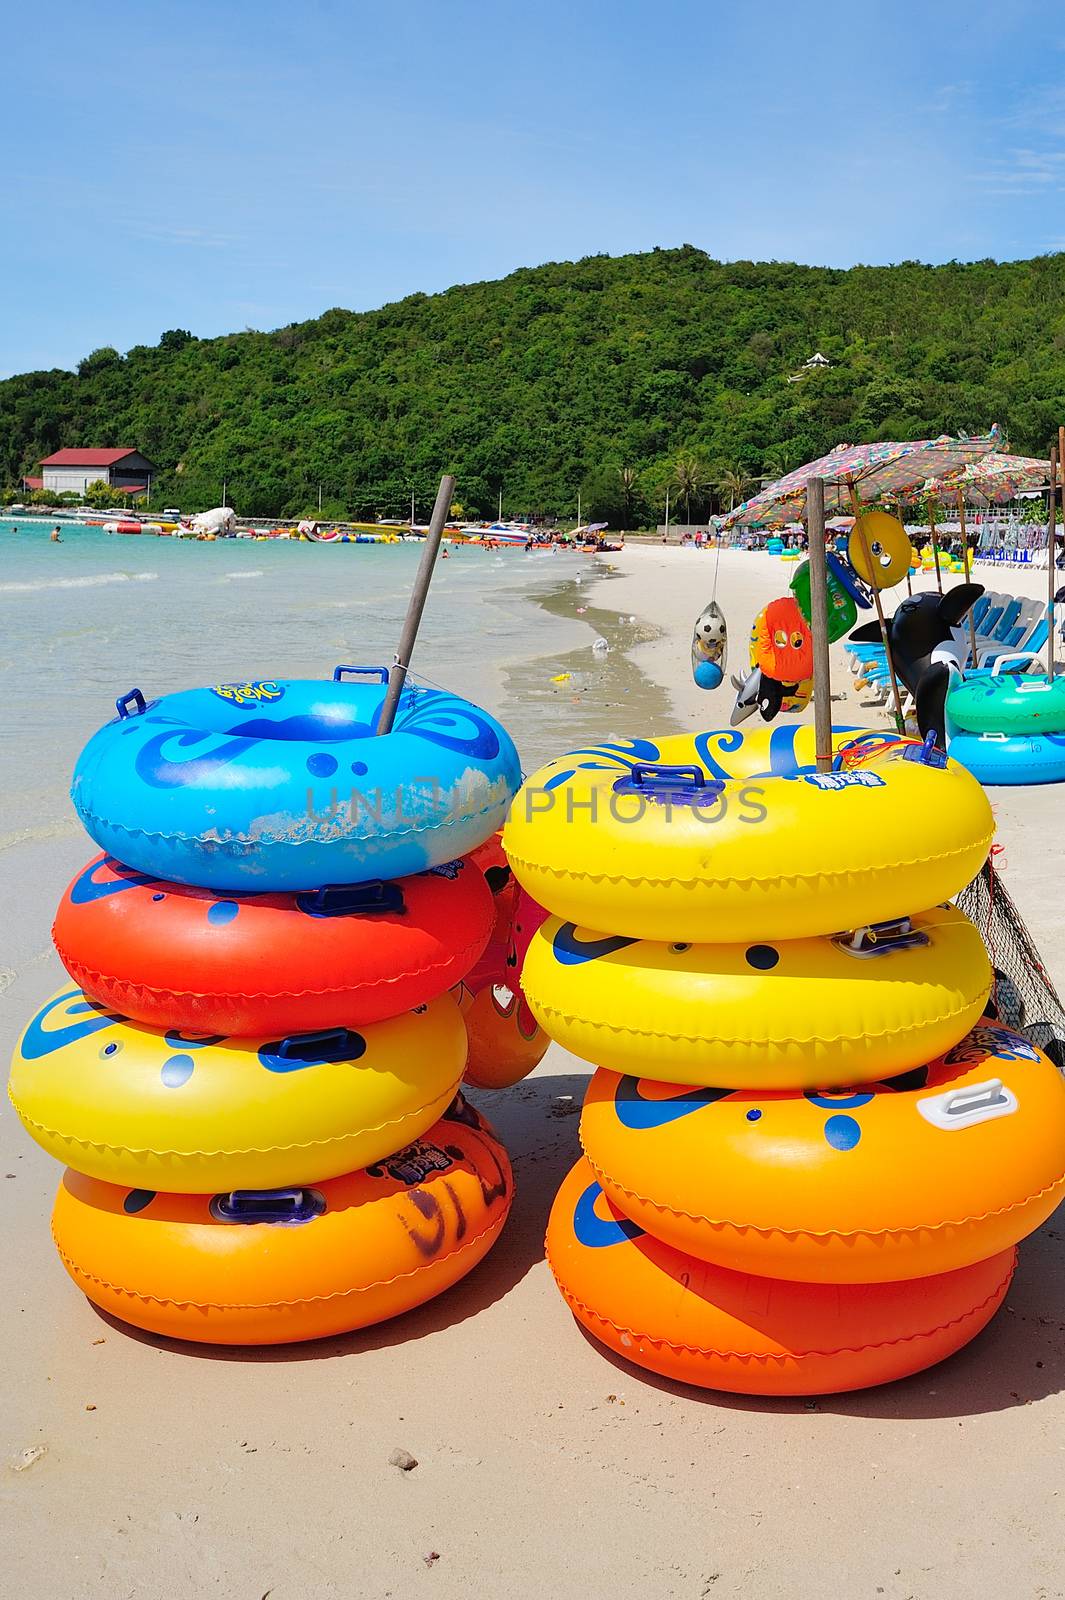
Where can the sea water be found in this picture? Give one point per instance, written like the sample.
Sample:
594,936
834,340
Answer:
87,619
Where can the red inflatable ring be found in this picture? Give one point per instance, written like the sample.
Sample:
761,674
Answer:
178,957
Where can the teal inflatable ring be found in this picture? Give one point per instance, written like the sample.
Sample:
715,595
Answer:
1008,702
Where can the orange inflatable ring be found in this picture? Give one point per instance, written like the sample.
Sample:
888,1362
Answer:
923,1174
267,1267
705,1325
505,1040
177,957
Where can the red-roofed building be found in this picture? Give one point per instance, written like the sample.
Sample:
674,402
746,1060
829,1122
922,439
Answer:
125,471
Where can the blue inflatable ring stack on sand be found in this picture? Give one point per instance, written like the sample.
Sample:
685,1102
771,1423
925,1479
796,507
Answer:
281,784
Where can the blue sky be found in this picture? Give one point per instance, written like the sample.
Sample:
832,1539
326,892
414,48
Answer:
225,165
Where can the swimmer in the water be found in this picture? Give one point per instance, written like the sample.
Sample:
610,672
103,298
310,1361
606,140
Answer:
55,535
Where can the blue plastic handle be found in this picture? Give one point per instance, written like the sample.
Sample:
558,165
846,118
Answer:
332,1044
380,673
268,1205
134,697
672,775
926,754
667,785
353,899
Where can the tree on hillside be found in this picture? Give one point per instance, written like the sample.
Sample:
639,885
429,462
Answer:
778,463
603,497
688,480
734,485
99,361
629,479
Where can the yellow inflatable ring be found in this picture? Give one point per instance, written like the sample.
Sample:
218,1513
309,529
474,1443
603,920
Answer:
754,842
937,1169
889,547
797,1013
697,1323
199,1114
297,1263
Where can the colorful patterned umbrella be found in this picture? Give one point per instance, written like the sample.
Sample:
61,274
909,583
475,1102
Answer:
994,479
876,471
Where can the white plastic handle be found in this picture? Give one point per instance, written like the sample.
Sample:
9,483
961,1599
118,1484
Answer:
966,1108
1027,656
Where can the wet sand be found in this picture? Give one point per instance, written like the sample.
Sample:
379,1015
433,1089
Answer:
544,1467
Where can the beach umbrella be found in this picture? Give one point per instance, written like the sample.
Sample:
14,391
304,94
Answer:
860,474
995,479
849,477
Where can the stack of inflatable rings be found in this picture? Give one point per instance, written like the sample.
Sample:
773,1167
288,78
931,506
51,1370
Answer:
1008,728
808,1157
253,1076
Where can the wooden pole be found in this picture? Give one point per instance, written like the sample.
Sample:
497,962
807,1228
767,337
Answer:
1052,518
900,720
935,542
965,559
397,677
815,539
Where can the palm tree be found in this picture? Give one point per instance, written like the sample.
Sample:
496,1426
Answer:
735,483
629,479
688,478
778,464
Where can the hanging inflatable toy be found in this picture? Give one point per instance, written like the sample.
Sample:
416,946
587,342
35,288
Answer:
781,642
710,647
927,634
883,557
710,639
782,663
845,594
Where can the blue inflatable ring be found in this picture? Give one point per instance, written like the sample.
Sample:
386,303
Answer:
282,785
1010,759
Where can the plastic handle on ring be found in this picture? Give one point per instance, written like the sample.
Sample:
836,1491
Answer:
694,776
331,1044
268,1205
122,704
355,899
977,1097
380,673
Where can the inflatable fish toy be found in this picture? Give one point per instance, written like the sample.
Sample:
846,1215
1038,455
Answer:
710,647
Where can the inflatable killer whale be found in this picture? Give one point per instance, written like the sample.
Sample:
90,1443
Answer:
926,634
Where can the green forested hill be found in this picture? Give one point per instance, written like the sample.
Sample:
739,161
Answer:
558,377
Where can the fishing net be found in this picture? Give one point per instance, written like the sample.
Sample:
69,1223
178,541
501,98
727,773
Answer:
1022,994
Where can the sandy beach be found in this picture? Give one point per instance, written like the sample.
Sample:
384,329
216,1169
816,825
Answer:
134,1467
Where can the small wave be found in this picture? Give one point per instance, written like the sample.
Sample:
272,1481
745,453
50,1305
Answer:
91,581
255,574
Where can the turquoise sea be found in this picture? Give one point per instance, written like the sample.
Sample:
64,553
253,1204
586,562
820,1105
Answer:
87,619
